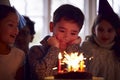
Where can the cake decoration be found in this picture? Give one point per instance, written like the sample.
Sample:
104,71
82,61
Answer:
72,66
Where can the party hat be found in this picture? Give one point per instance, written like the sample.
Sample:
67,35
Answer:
106,11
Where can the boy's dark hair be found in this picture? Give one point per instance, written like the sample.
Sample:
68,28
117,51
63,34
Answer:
30,24
5,10
69,12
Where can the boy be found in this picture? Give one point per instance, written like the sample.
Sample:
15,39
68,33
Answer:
66,25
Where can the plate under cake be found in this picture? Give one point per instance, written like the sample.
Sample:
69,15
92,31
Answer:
74,75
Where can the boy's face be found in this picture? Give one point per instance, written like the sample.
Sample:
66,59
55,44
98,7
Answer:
65,31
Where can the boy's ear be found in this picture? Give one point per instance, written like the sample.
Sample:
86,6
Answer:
51,25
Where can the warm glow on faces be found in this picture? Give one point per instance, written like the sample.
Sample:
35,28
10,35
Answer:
66,31
104,32
9,28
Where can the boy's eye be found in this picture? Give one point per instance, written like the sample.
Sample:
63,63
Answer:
62,30
73,33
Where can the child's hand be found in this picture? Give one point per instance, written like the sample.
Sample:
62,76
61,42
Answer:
52,41
76,41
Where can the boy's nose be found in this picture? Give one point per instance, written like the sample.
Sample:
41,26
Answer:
66,37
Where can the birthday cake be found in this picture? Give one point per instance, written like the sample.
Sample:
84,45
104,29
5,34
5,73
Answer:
74,75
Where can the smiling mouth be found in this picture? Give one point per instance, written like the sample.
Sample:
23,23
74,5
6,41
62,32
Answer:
13,36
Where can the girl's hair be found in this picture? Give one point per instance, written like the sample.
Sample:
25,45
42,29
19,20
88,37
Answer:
70,13
5,10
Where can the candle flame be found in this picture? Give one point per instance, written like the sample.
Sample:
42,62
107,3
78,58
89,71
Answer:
74,61
60,56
